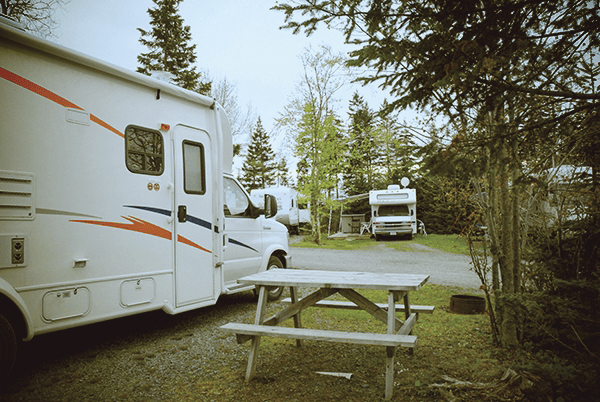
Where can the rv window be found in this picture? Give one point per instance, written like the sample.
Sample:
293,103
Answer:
144,151
194,181
393,210
236,201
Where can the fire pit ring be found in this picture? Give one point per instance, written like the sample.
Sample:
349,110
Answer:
466,304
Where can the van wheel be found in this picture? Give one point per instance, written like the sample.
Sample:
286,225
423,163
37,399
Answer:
8,348
274,293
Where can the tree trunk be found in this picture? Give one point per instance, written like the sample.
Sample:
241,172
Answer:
508,336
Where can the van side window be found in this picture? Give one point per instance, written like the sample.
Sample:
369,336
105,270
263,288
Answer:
194,181
236,201
144,151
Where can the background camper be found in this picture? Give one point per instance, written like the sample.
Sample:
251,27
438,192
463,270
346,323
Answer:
394,211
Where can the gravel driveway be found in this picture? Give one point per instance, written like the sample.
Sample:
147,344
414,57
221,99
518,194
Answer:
443,268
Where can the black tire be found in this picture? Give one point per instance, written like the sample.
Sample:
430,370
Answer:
274,293
8,348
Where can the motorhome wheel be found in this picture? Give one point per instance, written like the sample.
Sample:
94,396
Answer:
274,293
8,348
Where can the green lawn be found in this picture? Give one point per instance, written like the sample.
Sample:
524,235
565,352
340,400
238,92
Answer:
449,243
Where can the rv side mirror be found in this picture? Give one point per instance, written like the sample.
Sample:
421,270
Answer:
270,206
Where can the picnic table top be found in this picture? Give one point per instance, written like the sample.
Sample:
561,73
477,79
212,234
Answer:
336,279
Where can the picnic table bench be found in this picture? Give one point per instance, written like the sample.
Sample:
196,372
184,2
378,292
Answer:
329,283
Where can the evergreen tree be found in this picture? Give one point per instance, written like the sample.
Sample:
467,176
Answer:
169,49
283,173
259,169
362,150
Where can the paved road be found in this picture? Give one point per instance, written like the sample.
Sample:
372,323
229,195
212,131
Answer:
443,268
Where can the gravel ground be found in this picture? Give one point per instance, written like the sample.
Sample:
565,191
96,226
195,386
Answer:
443,268
138,358
149,356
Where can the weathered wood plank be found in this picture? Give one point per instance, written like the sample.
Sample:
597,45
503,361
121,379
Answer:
258,319
408,325
336,279
296,308
297,317
367,305
352,306
392,340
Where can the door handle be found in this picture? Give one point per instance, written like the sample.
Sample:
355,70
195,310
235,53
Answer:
182,213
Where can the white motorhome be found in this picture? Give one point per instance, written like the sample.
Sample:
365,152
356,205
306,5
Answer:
116,196
394,211
287,204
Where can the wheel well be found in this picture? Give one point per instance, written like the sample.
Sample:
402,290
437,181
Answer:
281,255
14,316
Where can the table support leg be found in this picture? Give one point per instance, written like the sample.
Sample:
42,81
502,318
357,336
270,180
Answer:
258,320
389,371
407,313
297,319
390,350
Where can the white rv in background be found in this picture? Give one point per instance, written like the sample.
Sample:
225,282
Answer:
116,196
394,211
287,205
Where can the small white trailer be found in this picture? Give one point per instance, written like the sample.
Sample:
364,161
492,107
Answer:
287,205
116,196
394,211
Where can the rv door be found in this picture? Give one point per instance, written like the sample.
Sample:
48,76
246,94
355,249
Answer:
194,272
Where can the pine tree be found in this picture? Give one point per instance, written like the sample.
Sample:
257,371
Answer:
169,49
259,169
362,151
283,173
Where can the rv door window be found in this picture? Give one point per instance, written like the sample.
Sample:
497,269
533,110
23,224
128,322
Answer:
144,151
236,201
193,168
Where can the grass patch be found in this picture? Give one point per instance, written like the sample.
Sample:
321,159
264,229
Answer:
449,345
348,243
449,243
454,345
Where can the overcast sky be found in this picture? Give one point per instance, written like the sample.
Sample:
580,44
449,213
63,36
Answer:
236,39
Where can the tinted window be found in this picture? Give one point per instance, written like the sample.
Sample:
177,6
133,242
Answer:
194,181
144,151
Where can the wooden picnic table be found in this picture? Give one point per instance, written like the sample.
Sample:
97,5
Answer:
329,283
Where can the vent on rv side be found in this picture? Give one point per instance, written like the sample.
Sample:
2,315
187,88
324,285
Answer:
16,196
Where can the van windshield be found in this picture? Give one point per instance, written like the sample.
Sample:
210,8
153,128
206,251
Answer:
393,210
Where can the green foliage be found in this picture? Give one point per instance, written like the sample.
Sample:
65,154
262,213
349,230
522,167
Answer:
317,146
282,174
259,169
169,49
359,174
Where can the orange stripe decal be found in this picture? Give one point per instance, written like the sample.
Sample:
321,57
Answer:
183,240
37,89
106,126
136,225
141,226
